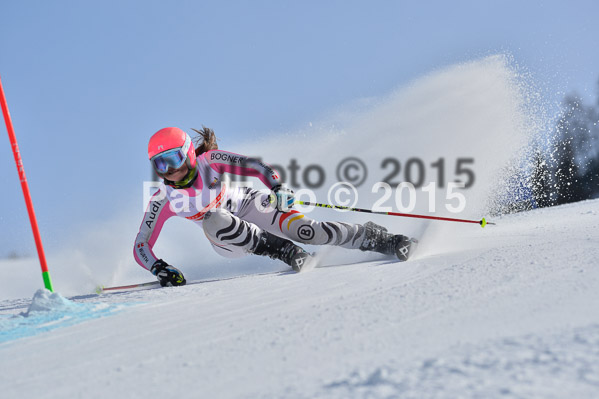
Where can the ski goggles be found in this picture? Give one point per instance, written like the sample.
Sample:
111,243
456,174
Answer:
172,159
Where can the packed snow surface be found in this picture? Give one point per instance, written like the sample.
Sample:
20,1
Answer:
507,311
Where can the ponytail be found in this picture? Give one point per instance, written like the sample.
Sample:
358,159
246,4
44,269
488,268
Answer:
206,140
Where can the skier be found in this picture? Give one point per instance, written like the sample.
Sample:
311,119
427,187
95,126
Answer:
238,221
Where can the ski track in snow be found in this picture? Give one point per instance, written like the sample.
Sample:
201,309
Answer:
507,311
555,366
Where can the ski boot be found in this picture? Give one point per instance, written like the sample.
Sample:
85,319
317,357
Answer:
279,248
377,239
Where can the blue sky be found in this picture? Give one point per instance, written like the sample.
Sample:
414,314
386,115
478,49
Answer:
88,82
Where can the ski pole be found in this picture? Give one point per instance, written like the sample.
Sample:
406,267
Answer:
483,222
25,188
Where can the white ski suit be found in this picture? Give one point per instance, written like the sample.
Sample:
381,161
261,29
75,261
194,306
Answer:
232,219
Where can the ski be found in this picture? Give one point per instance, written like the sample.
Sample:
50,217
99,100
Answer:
100,289
151,284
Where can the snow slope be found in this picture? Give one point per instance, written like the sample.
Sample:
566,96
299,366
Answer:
481,111
507,311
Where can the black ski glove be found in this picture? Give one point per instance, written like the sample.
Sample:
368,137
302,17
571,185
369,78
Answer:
166,274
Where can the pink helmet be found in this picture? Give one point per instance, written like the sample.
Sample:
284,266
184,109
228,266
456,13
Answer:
169,148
